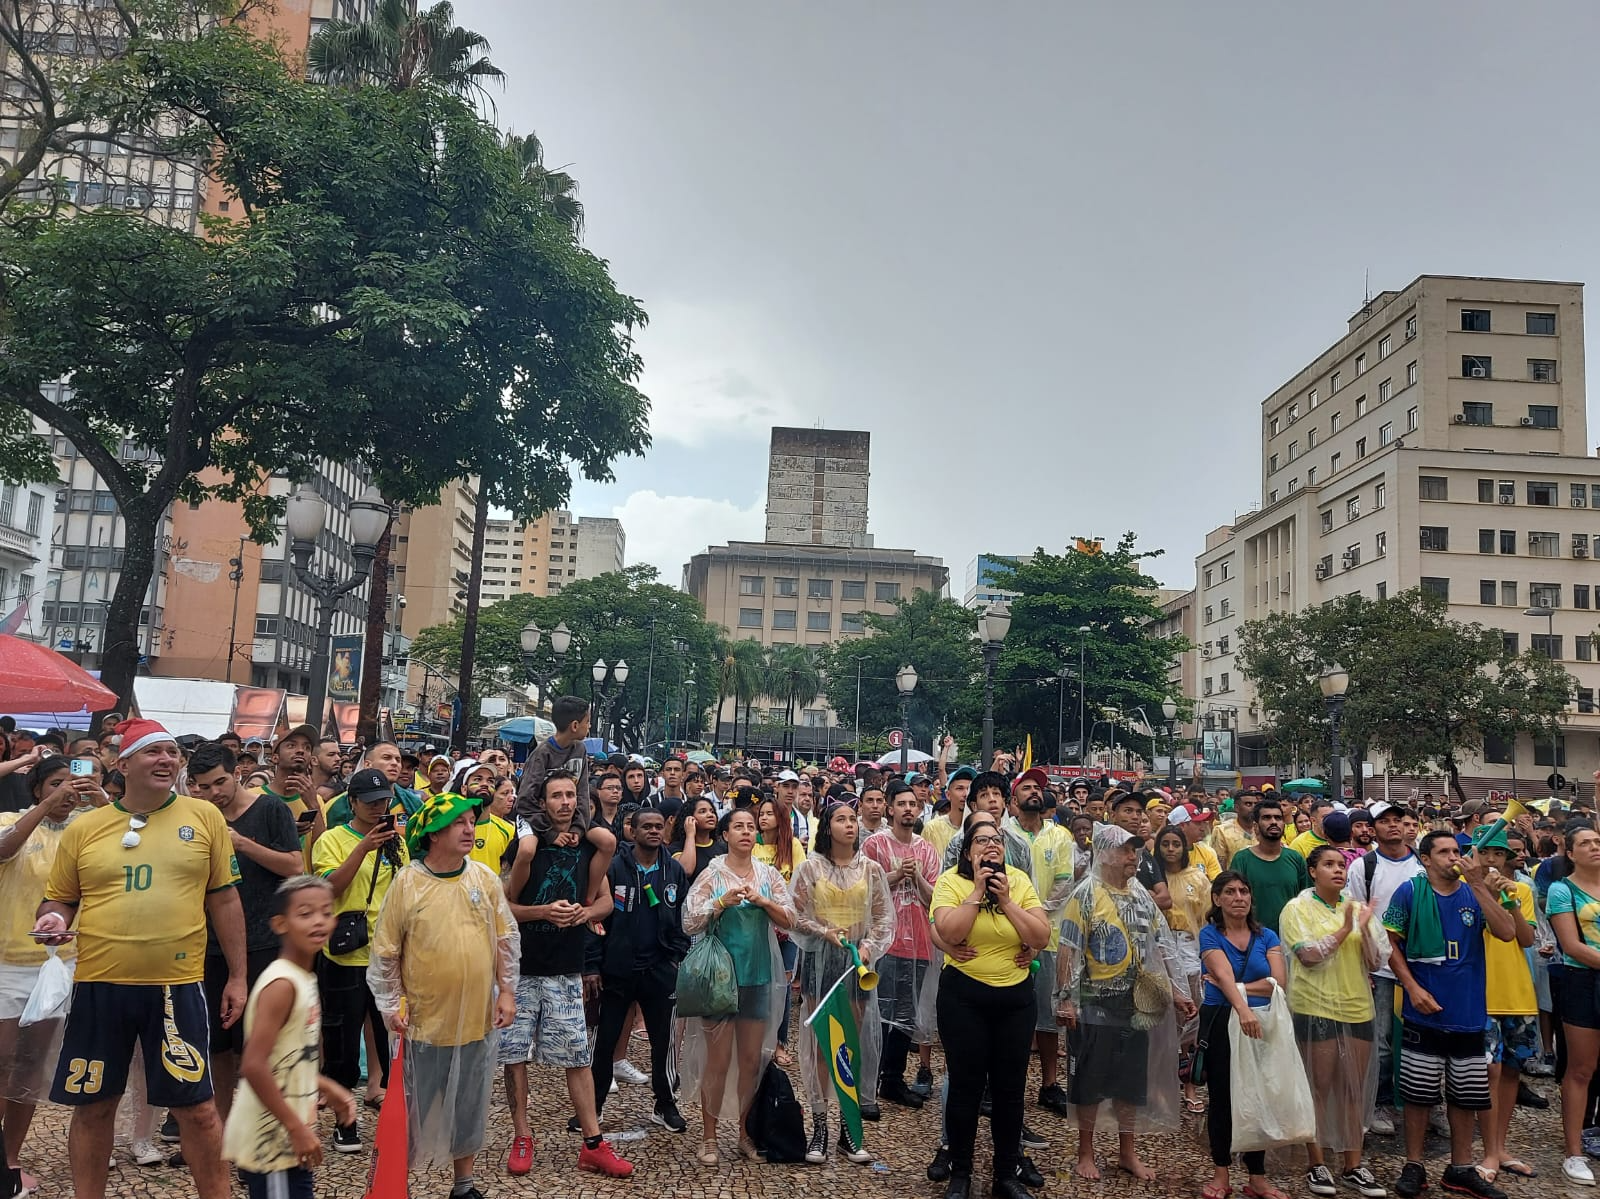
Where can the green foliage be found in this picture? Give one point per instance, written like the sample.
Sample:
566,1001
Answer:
1110,596
610,618
400,47
932,634
1424,689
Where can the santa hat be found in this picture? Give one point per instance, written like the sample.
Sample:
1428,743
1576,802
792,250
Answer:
136,734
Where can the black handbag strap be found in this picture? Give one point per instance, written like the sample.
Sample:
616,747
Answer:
372,883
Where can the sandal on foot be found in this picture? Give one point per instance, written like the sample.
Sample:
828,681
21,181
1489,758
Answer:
1210,1191
1271,1192
1194,1106
1519,1168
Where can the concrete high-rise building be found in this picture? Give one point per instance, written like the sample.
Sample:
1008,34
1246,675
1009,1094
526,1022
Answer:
817,487
24,555
1441,442
980,589
602,545
540,557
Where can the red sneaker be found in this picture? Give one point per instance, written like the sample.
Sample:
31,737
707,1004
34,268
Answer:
521,1159
602,1159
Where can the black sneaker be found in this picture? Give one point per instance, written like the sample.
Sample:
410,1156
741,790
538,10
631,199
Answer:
871,1111
1362,1181
346,1138
574,1125
817,1150
985,1106
668,1116
924,1084
1032,1140
1028,1173
1412,1182
848,1147
469,1193
896,1091
1053,1099
1465,1180
169,1130
939,1167
1528,1097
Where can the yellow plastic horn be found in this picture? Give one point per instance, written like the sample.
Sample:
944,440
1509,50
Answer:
866,978
1516,809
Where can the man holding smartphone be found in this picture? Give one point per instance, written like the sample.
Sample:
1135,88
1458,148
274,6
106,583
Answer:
293,782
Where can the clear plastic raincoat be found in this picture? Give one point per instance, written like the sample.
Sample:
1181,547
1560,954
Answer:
445,946
1328,990
904,969
1119,967
722,1059
27,1054
854,898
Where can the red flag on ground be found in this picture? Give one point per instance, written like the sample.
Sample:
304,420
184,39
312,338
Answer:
387,1179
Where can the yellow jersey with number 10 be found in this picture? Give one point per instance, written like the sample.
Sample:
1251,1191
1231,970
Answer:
142,910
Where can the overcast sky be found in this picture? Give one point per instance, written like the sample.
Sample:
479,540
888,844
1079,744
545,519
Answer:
1052,255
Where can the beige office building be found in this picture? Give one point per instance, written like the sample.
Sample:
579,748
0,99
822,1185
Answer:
1442,442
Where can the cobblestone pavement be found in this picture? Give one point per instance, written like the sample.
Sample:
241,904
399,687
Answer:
903,1142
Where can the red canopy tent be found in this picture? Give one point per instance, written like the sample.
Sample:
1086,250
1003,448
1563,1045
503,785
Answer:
34,678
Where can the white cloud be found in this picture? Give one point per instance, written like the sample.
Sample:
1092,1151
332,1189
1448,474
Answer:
667,530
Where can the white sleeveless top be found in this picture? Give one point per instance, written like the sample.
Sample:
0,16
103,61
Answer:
253,1139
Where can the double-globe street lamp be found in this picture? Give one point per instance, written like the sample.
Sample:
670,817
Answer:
996,623
560,643
608,696
306,517
905,680
1334,681
1169,712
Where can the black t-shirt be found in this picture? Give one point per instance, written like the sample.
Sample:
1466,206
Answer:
269,823
556,873
702,856
1147,871
14,793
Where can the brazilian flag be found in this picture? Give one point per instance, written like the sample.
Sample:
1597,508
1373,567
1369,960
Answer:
839,1042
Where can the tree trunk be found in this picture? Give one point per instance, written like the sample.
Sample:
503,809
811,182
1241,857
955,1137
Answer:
469,627
1455,777
372,654
716,729
119,644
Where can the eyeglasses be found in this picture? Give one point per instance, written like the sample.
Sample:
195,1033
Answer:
988,839
131,838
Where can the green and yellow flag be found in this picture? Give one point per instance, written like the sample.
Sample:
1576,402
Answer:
839,1042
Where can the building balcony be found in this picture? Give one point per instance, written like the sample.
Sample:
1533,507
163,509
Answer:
15,541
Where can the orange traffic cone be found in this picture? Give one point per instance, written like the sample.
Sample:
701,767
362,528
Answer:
388,1178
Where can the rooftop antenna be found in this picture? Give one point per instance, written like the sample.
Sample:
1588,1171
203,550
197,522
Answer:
1366,286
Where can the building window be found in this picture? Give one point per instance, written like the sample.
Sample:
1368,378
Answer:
1272,496
1580,595
1580,495
1544,595
788,588
1222,645
1333,464
1352,508
1327,521
266,626
1542,324
1361,448
1334,422
1222,681
1361,407
1294,485
853,589
748,584
1542,370
1380,544
749,618
1312,398
1226,608
1311,439
1546,645
1486,541
1433,487
819,622
1208,576
1477,414
1542,416
1434,538
1294,450
1272,464
8,503
1383,347
35,512
1333,383
1411,374
1485,491
1411,419
1352,556
819,588
1583,651
885,593
1385,433
1508,593
1542,750
1294,413
852,622
1275,426
783,618
1311,475
1438,588
1385,390
1361,363
1475,320
1210,614
1380,495
1586,699
1542,495
1477,366
1411,327
1487,590
1508,644
1508,541
1544,545
1383,591
1206,687
1507,491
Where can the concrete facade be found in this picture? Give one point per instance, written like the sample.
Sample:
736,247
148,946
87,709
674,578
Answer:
602,546
817,483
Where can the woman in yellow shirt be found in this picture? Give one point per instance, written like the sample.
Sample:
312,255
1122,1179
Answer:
986,1003
1333,942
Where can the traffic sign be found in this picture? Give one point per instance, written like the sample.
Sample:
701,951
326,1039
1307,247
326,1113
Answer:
1555,782
896,736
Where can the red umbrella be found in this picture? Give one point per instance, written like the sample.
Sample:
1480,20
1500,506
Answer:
34,678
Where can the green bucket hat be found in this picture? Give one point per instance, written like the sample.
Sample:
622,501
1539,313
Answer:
437,813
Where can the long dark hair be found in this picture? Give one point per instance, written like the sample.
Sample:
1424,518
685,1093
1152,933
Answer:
822,839
42,771
964,858
782,835
1155,849
686,817
1218,884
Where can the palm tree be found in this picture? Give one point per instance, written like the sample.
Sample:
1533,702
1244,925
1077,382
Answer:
400,47
740,676
791,675
557,189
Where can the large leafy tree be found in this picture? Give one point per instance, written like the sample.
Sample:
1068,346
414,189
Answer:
931,634
393,291
1092,605
626,615
1424,690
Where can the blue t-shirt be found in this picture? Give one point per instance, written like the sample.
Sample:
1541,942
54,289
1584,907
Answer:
1457,981
1253,970
1566,896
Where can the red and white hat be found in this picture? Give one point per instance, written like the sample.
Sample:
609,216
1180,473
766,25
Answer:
136,734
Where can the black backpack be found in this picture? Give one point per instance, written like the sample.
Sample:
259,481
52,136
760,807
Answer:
777,1123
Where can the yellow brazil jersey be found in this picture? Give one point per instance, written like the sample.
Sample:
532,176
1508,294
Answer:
493,837
1201,854
1306,842
1052,850
22,881
768,854
142,909
1509,987
992,935
330,852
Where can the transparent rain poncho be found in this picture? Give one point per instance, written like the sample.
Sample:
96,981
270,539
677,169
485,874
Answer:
27,1054
1120,968
904,969
722,1059
445,946
1328,985
853,897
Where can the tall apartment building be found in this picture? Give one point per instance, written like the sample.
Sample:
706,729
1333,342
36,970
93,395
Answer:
540,557
817,487
982,571
1441,442
24,556
602,545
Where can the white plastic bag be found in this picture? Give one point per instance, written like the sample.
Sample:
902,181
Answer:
52,991
1271,1097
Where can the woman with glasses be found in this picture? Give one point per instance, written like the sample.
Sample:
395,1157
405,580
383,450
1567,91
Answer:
986,1005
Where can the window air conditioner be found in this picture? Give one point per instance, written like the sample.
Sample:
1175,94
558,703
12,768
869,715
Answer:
1527,422
1580,551
1347,562
1461,418
1508,499
1479,373
1323,570
1579,502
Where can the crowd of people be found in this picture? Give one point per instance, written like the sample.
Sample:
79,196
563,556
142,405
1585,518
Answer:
265,924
